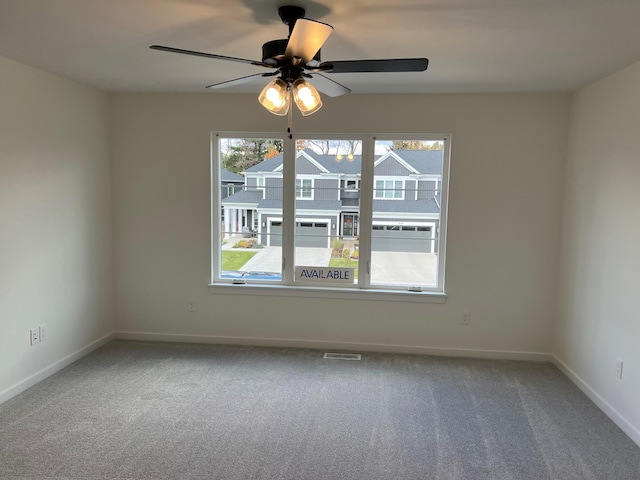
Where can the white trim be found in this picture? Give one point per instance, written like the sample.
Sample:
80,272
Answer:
53,368
616,417
381,216
302,178
239,206
328,344
407,224
356,292
288,209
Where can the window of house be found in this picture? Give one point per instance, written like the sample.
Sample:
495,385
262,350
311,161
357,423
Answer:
373,216
389,189
304,188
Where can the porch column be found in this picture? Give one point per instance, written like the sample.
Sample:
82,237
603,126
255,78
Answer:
227,222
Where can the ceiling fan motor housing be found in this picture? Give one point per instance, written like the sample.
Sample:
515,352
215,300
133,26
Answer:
273,53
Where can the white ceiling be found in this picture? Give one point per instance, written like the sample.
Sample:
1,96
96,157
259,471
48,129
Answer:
472,45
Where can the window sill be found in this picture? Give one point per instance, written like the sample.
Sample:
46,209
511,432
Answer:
328,293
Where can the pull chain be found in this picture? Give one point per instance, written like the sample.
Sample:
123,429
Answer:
290,114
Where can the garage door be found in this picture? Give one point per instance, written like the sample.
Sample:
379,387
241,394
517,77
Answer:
401,238
312,234
275,239
308,234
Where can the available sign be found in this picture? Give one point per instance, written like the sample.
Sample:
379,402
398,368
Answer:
324,274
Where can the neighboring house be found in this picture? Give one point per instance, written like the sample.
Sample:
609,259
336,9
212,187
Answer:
406,200
230,183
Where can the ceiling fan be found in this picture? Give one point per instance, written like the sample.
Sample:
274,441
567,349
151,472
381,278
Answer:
297,58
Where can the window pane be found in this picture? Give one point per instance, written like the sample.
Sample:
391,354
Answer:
406,218
328,206
251,228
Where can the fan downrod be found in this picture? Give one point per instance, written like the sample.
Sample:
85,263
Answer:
289,14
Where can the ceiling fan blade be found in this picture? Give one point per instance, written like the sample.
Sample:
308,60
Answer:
388,65
306,39
241,80
210,55
329,87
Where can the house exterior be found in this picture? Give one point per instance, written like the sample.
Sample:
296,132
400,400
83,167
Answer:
230,183
406,200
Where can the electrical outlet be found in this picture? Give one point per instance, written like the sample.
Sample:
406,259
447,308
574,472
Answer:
35,335
43,332
466,318
619,364
191,306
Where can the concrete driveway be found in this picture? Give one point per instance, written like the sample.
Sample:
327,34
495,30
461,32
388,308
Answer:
387,268
269,259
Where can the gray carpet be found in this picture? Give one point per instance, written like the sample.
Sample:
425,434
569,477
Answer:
135,410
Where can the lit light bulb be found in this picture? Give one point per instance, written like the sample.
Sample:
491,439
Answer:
306,96
350,157
274,96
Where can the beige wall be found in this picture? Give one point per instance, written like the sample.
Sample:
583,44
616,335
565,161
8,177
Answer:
55,222
599,286
508,160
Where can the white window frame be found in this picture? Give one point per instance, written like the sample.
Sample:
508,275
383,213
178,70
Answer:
362,289
302,179
383,191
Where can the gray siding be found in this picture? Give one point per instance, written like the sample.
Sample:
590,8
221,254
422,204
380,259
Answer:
410,189
426,189
391,167
326,189
273,188
305,167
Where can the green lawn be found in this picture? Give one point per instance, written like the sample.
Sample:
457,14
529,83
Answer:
339,262
234,260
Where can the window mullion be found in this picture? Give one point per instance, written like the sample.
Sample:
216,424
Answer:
215,207
366,211
288,209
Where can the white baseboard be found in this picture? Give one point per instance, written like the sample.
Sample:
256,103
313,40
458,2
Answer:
602,404
605,406
315,344
51,369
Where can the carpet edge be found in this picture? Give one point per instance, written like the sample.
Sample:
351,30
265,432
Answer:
317,344
616,417
64,362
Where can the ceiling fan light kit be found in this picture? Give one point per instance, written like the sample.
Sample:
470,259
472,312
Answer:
298,58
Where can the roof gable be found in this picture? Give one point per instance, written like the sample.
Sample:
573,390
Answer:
413,162
391,157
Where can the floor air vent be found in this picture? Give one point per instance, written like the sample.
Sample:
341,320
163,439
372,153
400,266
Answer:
342,356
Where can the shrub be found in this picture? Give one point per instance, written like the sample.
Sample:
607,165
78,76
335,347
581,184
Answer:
247,243
337,243
346,255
